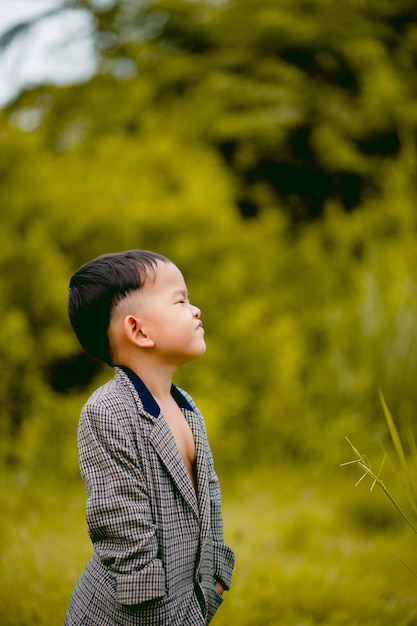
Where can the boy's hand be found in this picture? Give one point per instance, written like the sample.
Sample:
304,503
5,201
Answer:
219,587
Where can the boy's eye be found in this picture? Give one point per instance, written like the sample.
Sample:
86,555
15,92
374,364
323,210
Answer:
183,298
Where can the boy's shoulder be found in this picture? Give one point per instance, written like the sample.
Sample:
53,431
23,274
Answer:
114,406
118,388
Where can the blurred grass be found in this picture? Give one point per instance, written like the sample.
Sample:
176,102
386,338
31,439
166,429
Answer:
311,549
43,543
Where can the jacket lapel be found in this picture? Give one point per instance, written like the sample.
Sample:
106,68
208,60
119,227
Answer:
200,470
164,444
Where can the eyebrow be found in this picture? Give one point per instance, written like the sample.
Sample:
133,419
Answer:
182,292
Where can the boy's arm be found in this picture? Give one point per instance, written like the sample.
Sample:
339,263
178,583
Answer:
223,557
119,514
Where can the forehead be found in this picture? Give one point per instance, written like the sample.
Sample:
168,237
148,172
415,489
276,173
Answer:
167,275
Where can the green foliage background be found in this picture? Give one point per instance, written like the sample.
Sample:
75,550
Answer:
269,149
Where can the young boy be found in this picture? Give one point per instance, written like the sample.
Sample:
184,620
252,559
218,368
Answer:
154,507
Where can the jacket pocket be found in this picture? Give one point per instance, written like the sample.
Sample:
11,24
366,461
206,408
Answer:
214,600
176,610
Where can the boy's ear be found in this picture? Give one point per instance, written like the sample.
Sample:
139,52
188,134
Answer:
135,332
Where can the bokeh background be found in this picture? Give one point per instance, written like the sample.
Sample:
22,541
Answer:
269,148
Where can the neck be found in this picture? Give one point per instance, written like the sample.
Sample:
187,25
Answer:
157,382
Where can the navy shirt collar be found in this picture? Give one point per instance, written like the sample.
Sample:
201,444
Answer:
149,403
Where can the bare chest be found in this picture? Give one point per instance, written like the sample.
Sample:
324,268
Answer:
182,434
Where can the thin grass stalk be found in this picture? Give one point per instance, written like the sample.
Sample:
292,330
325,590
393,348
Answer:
363,462
396,439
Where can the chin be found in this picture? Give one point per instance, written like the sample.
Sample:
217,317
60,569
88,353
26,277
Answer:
197,353
203,349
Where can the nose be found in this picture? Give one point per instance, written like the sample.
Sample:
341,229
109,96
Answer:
196,311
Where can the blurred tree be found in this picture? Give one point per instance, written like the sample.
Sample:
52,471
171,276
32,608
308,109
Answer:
303,99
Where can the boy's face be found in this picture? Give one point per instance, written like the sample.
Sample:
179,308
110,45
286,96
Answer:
168,317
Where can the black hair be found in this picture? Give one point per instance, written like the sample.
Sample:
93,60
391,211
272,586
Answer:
98,286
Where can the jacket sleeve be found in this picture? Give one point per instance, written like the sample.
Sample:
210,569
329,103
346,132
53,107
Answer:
223,556
119,515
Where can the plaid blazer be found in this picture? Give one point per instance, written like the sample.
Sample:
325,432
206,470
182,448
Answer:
158,545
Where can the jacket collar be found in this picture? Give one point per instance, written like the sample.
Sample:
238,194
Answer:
149,403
